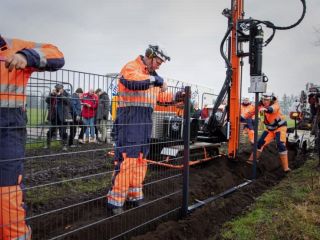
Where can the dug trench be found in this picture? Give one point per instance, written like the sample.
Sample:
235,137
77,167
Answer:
206,221
206,180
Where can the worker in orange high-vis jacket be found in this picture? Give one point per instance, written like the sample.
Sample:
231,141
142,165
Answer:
248,123
165,102
276,128
168,102
138,88
18,59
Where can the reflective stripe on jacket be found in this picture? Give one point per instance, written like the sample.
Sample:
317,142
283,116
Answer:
165,102
39,57
273,118
135,86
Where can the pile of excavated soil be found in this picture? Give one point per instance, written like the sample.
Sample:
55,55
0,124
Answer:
206,221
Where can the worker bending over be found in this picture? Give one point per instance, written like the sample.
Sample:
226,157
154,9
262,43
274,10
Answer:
276,128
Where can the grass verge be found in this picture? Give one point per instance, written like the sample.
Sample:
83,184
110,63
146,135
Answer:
290,210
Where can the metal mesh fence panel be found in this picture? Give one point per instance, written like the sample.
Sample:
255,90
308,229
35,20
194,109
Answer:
99,162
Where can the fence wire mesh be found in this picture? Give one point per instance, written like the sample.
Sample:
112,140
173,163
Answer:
97,163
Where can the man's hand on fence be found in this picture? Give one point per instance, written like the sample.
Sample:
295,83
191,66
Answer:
17,61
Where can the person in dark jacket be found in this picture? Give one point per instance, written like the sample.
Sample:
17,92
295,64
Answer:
59,114
76,114
102,114
313,100
196,111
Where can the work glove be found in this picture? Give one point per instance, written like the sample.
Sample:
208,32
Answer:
158,81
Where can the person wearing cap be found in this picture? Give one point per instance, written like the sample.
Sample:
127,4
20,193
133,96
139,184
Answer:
138,86
18,60
276,128
248,123
59,114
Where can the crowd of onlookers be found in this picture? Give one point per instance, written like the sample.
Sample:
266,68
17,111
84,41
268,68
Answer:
88,111
86,114
198,113
206,111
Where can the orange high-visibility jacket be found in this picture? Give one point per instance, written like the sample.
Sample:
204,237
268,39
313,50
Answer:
165,102
273,118
246,108
39,57
134,85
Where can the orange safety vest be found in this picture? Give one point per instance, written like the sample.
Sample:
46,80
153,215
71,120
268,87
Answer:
165,102
246,108
137,92
13,84
275,119
272,120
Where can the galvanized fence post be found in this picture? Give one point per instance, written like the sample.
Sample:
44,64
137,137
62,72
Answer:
186,153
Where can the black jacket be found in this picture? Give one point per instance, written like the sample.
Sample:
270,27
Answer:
58,107
103,107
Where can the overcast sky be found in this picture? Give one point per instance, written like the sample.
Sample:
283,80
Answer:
101,36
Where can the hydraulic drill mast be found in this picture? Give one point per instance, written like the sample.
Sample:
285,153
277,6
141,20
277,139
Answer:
240,31
234,97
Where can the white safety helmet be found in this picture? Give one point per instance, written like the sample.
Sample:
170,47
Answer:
246,100
155,51
267,96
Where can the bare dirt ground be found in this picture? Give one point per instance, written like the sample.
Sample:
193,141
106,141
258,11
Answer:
222,174
206,180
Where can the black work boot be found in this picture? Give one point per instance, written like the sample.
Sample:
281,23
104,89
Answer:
111,210
117,211
133,204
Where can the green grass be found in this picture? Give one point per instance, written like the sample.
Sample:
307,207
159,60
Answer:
290,122
45,194
55,145
35,116
290,210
